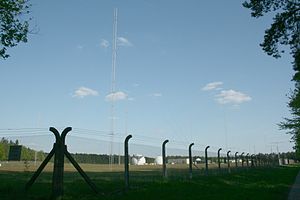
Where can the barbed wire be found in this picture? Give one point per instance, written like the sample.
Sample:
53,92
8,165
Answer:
99,135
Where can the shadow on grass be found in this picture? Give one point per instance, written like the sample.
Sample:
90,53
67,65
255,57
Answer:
272,183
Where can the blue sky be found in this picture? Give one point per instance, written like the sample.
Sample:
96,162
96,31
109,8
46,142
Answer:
187,70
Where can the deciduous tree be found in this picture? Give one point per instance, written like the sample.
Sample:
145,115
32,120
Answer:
284,31
14,26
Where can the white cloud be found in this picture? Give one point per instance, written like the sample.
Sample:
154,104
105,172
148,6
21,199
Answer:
79,47
212,86
121,41
84,91
156,94
232,97
116,96
104,43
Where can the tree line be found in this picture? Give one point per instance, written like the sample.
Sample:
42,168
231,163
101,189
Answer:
26,152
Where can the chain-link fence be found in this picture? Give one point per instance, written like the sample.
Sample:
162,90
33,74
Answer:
102,156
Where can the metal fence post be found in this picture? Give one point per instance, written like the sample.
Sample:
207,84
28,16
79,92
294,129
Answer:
275,160
126,161
164,158
228,163
242,156
247,159
252,160
58,169
58,151
191,160
206,161
235,159
265,159
219,161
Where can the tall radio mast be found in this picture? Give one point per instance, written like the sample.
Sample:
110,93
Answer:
113,85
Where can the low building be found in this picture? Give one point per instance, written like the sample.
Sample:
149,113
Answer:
178,161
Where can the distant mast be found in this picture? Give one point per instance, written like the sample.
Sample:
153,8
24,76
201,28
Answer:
113,86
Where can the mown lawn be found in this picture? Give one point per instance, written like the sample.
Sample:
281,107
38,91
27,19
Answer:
272,183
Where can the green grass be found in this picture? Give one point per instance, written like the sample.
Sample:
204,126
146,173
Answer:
273,183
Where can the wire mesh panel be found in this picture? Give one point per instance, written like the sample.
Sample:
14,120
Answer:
101,156
35,143
145,161
98,155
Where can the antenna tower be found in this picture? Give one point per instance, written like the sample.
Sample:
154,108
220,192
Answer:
113,86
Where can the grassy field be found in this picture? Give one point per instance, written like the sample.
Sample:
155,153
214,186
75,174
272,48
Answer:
146,183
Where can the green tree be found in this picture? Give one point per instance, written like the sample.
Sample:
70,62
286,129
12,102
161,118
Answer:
4,148
13,27
2,152
284,31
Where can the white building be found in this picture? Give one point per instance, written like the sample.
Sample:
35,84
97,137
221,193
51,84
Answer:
158,160
138,160
178,161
